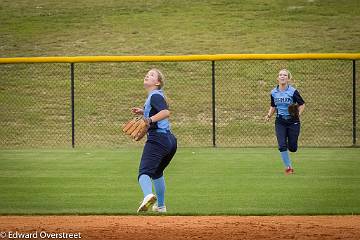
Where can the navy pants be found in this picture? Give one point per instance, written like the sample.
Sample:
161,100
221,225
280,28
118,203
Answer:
287,134
159,149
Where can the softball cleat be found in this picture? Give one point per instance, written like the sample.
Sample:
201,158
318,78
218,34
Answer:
157,209
289,170
147,203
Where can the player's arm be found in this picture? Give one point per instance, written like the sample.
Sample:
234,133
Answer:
163,114
270,113
272,109
301,108
159,104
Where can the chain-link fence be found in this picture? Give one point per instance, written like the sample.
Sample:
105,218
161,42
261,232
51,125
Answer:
36,102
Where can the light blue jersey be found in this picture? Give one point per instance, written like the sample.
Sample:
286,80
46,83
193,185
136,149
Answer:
155,102
282,99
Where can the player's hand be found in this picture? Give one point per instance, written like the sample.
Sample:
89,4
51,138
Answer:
137,111
267,118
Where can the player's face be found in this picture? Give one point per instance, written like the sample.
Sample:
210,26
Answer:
283,77
151,80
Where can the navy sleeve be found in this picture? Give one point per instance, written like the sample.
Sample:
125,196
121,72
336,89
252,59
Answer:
297,98
158,102
272,101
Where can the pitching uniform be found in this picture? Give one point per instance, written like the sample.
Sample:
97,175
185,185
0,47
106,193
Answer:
287,128
161,144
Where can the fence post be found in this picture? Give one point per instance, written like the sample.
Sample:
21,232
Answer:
213,103
72,105
354,100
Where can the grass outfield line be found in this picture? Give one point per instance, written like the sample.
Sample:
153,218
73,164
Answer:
200,181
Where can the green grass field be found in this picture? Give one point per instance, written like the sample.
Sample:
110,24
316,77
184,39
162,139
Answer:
199,181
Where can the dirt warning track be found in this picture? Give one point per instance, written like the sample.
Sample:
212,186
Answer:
184,227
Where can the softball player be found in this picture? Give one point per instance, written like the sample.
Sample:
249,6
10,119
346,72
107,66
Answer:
287,128
160,146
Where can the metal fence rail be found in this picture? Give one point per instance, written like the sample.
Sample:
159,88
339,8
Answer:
216,100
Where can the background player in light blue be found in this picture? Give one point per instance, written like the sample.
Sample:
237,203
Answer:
160,146
287,127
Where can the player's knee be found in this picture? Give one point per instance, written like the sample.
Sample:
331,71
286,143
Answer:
293,149
157,176
282,149
144,173
139,175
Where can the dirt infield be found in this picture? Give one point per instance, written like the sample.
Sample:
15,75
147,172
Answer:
184,227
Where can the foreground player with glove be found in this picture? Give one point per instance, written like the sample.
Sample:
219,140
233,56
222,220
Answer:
160,146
